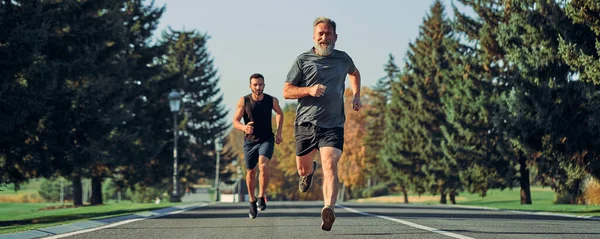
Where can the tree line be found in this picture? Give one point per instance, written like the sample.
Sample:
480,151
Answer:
83,93
493,98
485,97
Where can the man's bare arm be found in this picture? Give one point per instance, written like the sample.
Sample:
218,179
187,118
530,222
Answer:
278,115
239,113
294,92
355,82
355,85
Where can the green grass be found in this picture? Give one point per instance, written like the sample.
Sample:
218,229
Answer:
30,187
15,217
542,201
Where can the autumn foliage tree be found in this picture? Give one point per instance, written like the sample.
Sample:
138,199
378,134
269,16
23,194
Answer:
352,167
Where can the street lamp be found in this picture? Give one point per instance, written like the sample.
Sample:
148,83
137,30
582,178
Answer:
218,148
238,184
174,104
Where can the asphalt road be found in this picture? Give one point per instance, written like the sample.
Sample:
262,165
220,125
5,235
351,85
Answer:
302,220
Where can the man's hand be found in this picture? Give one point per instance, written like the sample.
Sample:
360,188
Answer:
317,90
356,104
249,128
278,138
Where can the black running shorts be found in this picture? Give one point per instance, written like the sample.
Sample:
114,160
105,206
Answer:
309,137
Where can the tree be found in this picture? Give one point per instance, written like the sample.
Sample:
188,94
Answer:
540,108
26,81
133,146
189,69
484,59
84,49
427,65
400,146
352,166
375,121
581,50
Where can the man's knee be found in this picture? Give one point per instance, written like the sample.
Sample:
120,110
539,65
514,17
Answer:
251,172
263,167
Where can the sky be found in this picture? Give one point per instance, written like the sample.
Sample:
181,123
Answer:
266,36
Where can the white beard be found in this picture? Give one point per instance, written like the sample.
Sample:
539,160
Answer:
324,51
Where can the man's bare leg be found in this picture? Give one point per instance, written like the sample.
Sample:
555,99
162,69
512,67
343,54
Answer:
251,184
263,182
329,160
304,163
263,175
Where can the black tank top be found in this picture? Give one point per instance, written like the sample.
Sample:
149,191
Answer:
259,112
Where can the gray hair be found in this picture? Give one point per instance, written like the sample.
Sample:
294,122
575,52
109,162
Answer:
326,21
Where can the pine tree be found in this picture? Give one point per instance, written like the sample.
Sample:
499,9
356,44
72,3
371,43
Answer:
540,110
189,68
400,148
485,60
428,66
581,49
26,81
376,122
134,147
84,49
413,140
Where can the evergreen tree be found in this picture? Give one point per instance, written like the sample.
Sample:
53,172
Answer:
545,107
376,122
399,151
189,68
581,51
413,139
483,63
428,66
134,142
26,81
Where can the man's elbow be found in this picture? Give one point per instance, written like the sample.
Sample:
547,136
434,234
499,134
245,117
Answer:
286,93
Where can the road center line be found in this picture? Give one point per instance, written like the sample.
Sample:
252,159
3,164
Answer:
426,228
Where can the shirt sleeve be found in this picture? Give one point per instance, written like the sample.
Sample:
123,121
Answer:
295,74
351,66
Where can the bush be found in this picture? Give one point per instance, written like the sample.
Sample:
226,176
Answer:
591,191
149,194
563,199
380,189
50,190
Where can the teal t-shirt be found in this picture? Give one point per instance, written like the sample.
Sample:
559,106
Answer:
309,69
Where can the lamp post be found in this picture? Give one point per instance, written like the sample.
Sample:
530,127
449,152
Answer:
174,104
239,189
218,148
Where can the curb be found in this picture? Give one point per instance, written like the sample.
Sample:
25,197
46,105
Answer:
106,222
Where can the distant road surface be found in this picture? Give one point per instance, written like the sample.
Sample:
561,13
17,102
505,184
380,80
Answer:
354,220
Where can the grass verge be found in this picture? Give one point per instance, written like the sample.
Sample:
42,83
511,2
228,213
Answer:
16,217
542,201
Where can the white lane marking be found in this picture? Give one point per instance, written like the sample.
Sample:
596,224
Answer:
121,223
426,228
